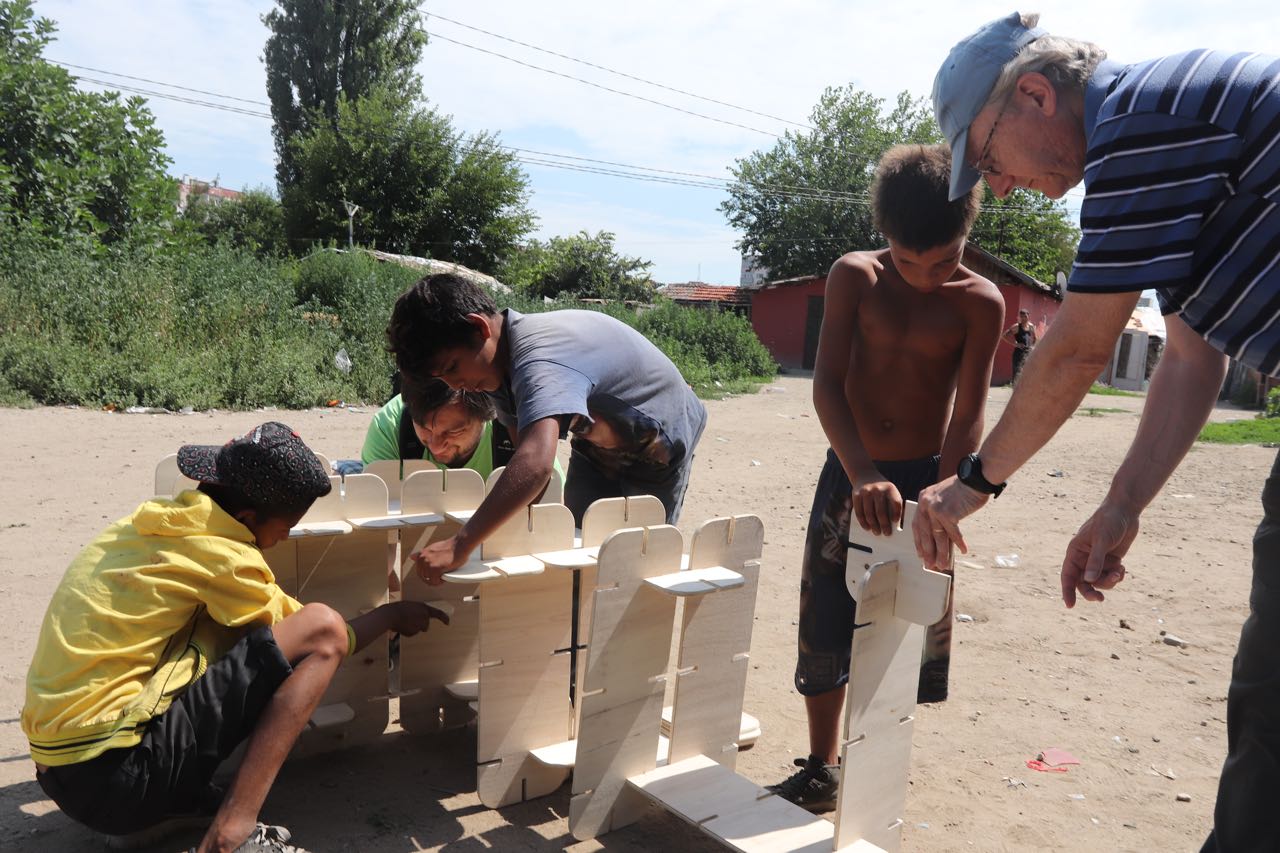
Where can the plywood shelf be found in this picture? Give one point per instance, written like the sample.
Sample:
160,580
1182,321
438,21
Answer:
696,581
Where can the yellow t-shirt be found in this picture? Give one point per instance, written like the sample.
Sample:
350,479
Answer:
139,615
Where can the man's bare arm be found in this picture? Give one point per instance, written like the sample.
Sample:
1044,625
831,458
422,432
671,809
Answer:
1182,394
1055,378
523,480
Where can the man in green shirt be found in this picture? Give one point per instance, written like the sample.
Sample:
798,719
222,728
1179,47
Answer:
453,429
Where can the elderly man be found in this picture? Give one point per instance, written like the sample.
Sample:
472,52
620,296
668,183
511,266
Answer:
1180,158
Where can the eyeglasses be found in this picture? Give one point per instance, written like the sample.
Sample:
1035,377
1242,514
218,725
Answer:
986,146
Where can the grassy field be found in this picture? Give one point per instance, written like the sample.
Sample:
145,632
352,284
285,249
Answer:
1264,431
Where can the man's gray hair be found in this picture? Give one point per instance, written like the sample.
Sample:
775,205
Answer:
1068,63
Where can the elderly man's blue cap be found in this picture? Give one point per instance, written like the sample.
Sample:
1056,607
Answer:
964,83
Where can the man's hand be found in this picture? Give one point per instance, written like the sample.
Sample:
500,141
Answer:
412,617
438,558
877,505
937,524
1095,555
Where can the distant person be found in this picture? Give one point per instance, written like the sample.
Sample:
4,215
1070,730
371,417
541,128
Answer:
1022,336
900,384
1180,159
168,642
429,420
634,420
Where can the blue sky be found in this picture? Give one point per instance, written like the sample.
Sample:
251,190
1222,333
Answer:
769,56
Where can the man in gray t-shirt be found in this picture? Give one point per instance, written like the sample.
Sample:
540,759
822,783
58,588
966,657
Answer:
634,420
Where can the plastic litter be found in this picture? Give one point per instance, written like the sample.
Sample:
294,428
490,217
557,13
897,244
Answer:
1008,561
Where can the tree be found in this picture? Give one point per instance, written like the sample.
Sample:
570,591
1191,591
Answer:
71,161
422,187
1029,230
804,202
582,266
255,222
320,49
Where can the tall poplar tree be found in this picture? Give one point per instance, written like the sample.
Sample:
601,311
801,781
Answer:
320,49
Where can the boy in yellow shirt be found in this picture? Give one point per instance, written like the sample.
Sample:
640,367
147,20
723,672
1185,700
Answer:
168,642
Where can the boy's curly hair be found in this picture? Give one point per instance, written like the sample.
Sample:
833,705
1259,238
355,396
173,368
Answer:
431,316
909,198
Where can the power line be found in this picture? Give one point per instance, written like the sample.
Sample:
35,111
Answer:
707,182
618,73
688,179
594,85
157,83
171,97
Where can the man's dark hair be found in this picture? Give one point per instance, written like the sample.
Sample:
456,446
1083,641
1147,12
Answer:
422,397
432,316
909,198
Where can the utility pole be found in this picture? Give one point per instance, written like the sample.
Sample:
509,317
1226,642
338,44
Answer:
351,216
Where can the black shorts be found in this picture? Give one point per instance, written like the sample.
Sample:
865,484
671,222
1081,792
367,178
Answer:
167,774
827,609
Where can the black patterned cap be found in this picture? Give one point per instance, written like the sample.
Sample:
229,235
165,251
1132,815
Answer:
271,466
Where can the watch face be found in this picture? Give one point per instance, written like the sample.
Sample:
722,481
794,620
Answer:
965,468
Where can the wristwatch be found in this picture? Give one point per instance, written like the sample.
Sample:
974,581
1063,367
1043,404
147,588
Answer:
969,472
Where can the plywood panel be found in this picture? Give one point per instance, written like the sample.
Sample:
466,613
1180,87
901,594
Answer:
626,664
524,686
348,573
364,496
715,641
888,581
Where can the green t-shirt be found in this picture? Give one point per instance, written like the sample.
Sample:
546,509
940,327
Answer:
382,441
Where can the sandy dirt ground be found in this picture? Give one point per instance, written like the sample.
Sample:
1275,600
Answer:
1026,673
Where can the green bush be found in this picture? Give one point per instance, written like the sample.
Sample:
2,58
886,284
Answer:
1271,409
215,326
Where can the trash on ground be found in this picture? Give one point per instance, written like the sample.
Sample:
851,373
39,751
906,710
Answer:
1008,561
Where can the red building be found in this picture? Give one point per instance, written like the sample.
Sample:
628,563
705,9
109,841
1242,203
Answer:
787,314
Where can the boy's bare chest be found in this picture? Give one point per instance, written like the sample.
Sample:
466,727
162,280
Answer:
925,326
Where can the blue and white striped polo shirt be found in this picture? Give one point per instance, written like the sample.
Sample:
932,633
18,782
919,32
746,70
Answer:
1182,194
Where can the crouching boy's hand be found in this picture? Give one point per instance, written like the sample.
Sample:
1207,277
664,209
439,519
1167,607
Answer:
404,617
412,617
877,505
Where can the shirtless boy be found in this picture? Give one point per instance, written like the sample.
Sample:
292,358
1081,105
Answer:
900,384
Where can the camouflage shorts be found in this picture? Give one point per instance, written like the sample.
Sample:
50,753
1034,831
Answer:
827,611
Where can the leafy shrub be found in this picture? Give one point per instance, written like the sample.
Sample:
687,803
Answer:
219,327
1271,409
